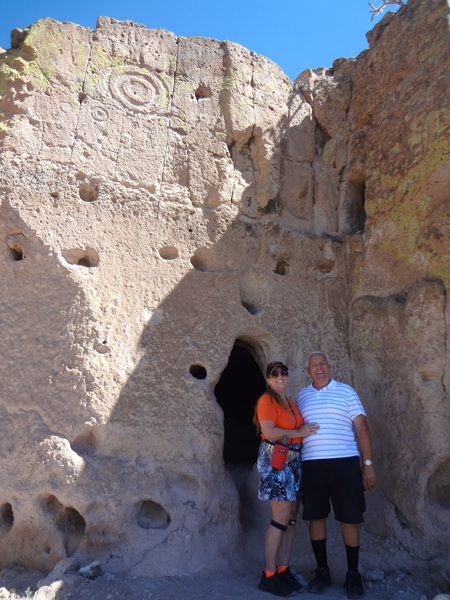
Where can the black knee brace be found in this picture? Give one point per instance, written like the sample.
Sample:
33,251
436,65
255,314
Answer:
278,526
292,521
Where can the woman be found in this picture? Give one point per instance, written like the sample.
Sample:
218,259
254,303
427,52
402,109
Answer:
277,416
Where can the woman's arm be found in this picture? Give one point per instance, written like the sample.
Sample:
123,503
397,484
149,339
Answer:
272,432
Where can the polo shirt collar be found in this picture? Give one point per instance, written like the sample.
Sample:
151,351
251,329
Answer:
331,385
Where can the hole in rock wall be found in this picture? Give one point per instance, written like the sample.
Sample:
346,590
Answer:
327,265
272,207
152,515
355,213
85,443
282,268
203,92
82,258
6,517
16,243
253,309
362,215
237,390
198,371
250,292
438,487
16,252
88,192
199,260
68,520
168,252
359,210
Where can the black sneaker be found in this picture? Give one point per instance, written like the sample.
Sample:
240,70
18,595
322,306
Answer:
353,585
322,580
288,577
275,586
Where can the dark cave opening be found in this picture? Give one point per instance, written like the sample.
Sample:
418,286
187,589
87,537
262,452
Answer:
237,391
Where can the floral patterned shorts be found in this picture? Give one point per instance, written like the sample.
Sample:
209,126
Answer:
275,484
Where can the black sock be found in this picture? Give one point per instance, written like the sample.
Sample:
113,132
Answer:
320,552
352,557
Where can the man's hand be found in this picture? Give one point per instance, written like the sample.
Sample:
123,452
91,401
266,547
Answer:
368,477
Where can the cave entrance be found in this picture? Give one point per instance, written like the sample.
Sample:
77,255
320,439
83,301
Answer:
237,390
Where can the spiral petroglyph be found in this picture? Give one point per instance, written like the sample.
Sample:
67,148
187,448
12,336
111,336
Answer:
99,114
138,91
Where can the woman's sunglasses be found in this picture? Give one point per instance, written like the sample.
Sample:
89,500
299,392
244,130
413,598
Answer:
278,373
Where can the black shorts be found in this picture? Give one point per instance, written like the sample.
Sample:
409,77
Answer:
335,479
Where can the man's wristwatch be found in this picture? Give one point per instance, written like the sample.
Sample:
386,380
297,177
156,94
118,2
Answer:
367,462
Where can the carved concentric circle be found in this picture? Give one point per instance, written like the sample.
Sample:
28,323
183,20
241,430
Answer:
65,107
137,91
99,114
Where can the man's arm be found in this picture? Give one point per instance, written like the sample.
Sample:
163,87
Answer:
365,445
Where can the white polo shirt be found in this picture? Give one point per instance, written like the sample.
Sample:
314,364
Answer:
333,408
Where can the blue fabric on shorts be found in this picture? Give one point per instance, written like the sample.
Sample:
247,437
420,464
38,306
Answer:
276,484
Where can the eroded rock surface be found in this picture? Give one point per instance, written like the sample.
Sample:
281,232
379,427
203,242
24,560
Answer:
399,269
165,200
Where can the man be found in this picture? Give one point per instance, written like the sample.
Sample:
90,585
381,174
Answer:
332,471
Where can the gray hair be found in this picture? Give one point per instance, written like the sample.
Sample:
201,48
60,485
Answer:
317,352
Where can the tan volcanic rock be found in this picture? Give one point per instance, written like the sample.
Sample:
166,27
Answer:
399,269
164,198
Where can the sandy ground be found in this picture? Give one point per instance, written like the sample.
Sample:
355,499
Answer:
405,578
210,584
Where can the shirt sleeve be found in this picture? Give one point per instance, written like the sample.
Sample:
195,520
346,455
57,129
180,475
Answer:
355,407
267,411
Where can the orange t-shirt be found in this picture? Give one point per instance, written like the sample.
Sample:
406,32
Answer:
286,418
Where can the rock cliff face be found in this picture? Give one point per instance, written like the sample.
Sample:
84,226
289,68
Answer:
399,269
168,201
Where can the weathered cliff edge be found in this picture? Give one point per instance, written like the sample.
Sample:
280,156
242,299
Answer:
163,197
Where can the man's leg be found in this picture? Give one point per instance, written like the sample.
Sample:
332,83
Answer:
318,536
354,588
347,497
316,509
318,529
350,534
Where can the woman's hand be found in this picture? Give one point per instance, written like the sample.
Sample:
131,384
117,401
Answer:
308,429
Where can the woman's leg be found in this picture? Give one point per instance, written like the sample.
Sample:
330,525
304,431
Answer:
281,513
284,551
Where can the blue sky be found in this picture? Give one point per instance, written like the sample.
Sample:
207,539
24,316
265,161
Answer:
295,34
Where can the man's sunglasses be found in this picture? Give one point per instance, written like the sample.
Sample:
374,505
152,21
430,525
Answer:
278,373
